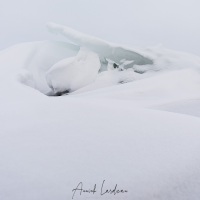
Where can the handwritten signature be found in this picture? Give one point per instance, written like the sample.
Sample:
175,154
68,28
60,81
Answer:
80,189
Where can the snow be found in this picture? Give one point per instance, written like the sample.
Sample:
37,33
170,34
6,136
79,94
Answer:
189,107
41,57
103,48
73,73
104,130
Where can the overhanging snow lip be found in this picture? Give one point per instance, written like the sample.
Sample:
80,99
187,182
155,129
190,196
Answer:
103,48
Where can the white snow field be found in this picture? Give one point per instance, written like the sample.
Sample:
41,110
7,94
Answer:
143,135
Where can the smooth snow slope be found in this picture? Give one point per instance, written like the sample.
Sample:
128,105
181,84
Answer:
49,144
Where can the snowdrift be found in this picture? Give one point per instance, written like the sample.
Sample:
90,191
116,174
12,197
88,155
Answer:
110,64
114,125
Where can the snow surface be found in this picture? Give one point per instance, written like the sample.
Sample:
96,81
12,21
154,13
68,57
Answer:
40,58
73,73
106,130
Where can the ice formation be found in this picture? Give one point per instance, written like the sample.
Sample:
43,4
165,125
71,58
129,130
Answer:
103,48
55,68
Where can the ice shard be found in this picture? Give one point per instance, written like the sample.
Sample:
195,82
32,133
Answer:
104,49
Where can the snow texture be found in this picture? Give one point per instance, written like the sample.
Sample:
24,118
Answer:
73,73
142,135
43,70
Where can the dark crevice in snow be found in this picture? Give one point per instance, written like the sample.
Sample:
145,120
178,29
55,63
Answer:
51,93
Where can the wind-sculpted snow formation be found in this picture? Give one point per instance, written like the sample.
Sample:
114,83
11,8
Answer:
55,68
121,133
73,73
105,49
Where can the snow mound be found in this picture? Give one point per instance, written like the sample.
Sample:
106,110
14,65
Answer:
152,90
41,57
55,67
73,73
49,145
